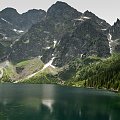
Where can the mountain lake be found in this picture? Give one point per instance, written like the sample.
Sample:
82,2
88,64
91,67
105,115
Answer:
54,102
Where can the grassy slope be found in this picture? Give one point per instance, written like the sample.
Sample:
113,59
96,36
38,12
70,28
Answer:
29,67
88,72
47,76
9,72
21,70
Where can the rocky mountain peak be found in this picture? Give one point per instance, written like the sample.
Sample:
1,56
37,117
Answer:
62,11
32,17
32,11
9,11
60,3
10,16
114,32
91,15
102,23
118,20
88,13
62,32
115,29
13,25
117,23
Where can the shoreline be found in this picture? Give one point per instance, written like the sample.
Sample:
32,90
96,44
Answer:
110,90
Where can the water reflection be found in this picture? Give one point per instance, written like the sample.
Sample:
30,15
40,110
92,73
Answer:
49,102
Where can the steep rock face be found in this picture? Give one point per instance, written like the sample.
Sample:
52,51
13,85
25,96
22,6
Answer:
86,36
85,39
2,51
44,35
60,11
64,34
33,43
114,35
115,30
32,17
21,21
10,16
13,25
102,24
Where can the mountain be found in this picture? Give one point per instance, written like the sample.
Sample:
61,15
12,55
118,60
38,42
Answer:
64,34
9,17
85,39
60,46
114,36
21,21
31,17
61,11
13,25
45,34
103,25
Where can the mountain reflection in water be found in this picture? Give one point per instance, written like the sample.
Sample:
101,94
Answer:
53,102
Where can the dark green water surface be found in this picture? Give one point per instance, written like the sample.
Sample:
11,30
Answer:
53,102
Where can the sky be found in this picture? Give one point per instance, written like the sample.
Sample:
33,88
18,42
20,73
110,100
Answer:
105,9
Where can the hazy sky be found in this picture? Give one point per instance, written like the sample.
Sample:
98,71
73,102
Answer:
106,9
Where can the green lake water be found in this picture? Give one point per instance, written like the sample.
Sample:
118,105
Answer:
53,102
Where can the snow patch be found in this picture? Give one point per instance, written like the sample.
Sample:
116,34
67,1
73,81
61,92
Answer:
58,42
15,30
110,42
5,38
45,66
47,48
47,32
18,31
55,42
40,57
79,19
103,29
81,55
109,36
14,43
82,18
49,64
31,75
6,21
